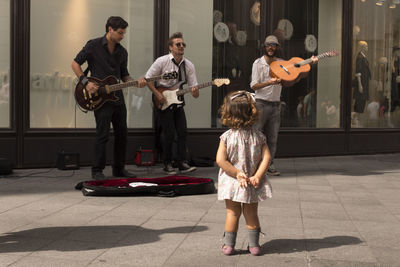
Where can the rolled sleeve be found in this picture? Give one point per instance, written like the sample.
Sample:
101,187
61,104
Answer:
255,76
155,69
84,54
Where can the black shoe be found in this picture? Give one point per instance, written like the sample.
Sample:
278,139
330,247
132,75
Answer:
184,167
98,176
123,173
168,169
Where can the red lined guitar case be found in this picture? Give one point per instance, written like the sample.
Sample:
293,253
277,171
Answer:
164,186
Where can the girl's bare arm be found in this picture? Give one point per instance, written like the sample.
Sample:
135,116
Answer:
224,164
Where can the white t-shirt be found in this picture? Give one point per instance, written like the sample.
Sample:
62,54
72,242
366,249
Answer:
165,64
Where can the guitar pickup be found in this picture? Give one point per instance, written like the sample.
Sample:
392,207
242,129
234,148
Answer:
285,69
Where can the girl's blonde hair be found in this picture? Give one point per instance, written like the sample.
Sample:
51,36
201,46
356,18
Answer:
239,110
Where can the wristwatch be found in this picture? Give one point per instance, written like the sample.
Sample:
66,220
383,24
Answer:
84,80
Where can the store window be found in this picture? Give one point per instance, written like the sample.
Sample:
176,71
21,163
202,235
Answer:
236,42
303,28
376,69
224,38
194,19
5,64
59,29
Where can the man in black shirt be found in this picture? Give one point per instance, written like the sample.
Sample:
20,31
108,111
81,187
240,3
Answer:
106,56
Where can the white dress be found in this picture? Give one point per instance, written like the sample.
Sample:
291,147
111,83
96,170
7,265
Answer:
244,151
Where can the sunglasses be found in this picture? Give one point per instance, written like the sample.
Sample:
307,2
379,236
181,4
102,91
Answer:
180,45
272,45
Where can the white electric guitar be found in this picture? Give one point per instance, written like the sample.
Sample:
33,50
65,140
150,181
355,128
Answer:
171,94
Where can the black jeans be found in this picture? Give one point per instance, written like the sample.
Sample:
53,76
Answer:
107,114
173,120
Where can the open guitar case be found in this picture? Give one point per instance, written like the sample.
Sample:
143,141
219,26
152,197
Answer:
169,186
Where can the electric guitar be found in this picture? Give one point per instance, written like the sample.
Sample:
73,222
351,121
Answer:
296,68
107,88
171,94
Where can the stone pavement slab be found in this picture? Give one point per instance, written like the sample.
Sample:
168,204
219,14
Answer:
325,211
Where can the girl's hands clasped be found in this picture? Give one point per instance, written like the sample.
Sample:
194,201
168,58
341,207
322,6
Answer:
242,179
254,181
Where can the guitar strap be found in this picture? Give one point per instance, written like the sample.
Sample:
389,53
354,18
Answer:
86,71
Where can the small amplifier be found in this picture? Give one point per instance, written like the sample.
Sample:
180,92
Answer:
5,166
144,157
67,161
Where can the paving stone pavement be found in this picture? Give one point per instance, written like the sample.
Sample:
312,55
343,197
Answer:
325,211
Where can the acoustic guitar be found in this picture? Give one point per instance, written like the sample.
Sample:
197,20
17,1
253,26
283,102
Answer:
296,68
107,89
171,94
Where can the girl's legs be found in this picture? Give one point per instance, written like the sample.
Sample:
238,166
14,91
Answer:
250,212
233,212
253,225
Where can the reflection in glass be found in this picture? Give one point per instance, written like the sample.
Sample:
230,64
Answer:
5,64
313,102
376,70
67,28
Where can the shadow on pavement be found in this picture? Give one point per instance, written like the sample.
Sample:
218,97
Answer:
282,246
80,238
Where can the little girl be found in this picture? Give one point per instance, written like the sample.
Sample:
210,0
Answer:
243,157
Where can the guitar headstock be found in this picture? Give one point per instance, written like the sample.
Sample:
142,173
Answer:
221,81
170,75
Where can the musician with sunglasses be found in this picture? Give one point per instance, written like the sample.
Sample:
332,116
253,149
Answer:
268,96
173,120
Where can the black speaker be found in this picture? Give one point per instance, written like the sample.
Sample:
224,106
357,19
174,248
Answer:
5,166
67,161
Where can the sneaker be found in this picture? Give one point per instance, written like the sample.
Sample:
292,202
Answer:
98,176
168,169
272,171
184,167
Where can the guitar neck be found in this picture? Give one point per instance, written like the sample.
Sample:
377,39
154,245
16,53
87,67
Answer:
309,60
187,90
120,86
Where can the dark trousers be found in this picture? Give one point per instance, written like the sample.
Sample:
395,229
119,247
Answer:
269,122
107,114
173,120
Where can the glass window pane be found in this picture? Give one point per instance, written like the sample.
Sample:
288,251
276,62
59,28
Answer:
304,28
5,64
236,45
194,19
307,28
59,30
376,69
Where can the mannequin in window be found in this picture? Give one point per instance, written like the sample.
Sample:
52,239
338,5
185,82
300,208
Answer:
362,78
395,92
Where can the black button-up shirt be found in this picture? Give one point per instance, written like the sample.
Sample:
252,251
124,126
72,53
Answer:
102,63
